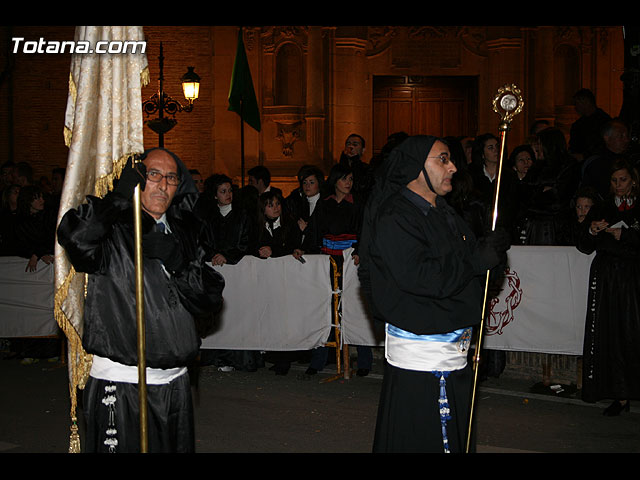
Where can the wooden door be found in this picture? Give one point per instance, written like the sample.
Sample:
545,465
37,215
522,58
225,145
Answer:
441,106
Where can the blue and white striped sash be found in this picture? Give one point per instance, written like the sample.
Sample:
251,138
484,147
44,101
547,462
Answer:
443,352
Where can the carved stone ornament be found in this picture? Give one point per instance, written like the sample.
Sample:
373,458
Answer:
288,134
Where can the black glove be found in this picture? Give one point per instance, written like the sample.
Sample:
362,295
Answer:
166,248
132,175
500,240
491,250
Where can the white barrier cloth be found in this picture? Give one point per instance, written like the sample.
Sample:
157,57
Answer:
26,299
274,304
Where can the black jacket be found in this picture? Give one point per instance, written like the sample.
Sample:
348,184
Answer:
331,217
99,240
283,239
232,235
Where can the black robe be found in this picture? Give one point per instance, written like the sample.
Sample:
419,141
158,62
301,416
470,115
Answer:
611,357
98,238
423,280
421,270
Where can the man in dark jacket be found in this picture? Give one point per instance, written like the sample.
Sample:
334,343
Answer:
422,271
180,291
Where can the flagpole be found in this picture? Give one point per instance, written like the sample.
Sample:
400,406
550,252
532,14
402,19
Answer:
507,103
142,371
242,143
242,97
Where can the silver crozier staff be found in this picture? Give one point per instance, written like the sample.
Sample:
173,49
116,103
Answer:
507,103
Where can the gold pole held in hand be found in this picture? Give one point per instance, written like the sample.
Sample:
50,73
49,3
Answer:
142,372
507,103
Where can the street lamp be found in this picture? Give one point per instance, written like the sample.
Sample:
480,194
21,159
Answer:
162,103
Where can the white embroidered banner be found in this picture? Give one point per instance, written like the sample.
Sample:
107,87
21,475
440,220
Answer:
543,304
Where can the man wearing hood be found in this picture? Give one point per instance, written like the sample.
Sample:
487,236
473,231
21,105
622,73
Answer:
423,273
181,293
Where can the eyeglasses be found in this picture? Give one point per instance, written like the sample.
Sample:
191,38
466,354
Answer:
156,177
444,158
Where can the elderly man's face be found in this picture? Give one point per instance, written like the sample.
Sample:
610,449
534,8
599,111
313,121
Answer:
157,196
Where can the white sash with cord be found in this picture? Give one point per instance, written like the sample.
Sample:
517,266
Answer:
427,353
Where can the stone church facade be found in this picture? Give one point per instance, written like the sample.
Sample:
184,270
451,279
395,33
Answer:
317,84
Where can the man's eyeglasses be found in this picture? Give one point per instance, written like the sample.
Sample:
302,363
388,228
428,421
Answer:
155,176
444,158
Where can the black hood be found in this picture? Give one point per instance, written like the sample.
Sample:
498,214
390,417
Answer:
404,164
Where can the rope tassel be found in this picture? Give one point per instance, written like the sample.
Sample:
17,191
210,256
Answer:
445,411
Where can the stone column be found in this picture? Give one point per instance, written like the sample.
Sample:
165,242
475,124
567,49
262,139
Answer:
352,92
544,78
314,117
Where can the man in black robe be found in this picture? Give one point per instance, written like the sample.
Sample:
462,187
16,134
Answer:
180,293
422,271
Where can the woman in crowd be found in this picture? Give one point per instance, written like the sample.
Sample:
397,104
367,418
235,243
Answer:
553,181
586,199
521,159
35,232
334,227
301,203
227,237
611,358
278,235
484,171
35,228
227,233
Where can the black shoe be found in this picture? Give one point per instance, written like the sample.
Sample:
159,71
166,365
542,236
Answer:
307,374
362,372
616,408
281,369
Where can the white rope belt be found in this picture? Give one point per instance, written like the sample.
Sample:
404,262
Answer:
105,369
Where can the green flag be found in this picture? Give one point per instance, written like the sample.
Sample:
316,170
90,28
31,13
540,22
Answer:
242,97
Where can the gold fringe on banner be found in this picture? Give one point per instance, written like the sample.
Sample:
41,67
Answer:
80,361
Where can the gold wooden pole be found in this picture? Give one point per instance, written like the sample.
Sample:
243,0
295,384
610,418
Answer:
507,103
142,375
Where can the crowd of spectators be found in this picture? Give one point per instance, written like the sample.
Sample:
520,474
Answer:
552,186
27,230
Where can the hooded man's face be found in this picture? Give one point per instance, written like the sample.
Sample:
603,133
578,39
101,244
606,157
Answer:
157,196
440,168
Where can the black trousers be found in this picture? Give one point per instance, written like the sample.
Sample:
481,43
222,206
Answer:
112,415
